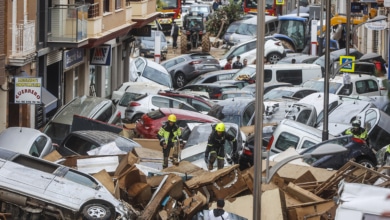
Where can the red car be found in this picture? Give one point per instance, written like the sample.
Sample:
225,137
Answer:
150,123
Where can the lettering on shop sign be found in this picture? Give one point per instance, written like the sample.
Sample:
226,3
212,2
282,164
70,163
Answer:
101,55
73,56
28,90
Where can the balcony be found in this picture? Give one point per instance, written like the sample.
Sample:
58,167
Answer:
23,45
144,11
68,25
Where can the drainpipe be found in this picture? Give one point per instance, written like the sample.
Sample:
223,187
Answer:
14,26
25,12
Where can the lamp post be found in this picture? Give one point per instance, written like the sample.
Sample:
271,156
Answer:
259,109
326,149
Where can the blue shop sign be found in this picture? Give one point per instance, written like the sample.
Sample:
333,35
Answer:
73,56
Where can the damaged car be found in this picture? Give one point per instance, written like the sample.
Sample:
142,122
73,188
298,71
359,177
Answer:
32,188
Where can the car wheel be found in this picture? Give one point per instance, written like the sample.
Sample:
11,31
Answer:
273,58
136,118
96,211
180,80
366,163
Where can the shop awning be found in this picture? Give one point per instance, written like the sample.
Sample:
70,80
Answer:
49,100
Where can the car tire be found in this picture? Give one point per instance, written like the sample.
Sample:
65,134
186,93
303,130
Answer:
273,58
96,211
183,43
366,163
180,80
136,118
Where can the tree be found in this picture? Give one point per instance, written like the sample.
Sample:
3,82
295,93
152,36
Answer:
220,20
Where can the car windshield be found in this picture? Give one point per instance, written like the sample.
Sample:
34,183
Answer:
250,71
57,131
233,27
235,119
319,86
198,135
153,37
276,93
157,76
201,9
247,29
128,97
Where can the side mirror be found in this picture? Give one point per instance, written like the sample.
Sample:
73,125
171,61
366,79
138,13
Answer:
115,101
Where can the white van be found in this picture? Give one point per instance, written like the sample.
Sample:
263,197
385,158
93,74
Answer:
248,29
291,133
275,73
361,85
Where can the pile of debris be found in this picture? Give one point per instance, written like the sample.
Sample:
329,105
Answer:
185,190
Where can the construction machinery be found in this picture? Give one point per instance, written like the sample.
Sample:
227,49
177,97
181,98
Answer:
194,33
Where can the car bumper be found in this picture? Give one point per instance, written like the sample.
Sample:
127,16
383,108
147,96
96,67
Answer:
150,53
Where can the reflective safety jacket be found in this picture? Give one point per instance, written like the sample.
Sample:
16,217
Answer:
169,134
359,133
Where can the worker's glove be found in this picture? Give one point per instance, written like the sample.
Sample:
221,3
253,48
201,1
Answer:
162,142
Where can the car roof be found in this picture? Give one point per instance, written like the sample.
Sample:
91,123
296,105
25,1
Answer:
253,20
292,88
218,72
354,77
234,106
101,137
94,105
181,112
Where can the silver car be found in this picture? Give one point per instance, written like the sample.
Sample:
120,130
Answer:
32,188
26,141
148,103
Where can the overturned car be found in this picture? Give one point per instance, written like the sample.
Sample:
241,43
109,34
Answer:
32,188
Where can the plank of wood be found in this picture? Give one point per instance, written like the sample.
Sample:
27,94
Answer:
302,194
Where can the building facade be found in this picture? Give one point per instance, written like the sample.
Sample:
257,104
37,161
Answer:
76,48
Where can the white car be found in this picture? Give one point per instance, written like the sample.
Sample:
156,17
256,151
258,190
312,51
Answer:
248,29
150,102
273,50
129,91
45,190
26,141
144,70
361,85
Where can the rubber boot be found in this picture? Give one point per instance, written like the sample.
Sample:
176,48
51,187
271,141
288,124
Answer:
165,163
220,163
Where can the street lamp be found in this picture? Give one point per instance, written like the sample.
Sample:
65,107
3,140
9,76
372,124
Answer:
326,149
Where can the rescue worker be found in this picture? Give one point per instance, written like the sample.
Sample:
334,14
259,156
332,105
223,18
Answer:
215,146
168,135
356,131
387,154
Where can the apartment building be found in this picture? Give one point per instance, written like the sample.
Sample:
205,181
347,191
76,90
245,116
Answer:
72,48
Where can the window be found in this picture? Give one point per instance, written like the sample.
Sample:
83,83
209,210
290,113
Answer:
118,4
160,102
307,144
106,6
200,106
267,75
247,115
38,146
286,140
290,76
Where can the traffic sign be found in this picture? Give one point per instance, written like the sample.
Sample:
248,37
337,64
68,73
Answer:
279,2
347,63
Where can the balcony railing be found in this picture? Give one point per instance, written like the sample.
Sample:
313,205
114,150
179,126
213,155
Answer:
93,11
25,39
68,23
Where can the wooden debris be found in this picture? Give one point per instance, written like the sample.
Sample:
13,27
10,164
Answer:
274,202
351,172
